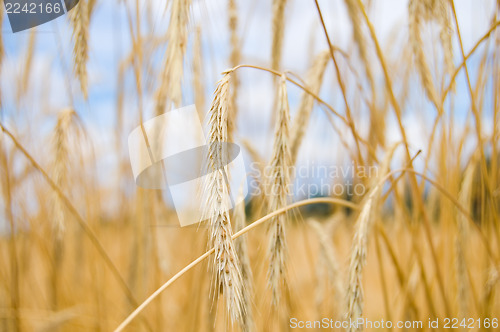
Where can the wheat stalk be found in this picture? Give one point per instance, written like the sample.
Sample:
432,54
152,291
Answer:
170,87
464,198
330,257
91,5
355,297
301,120
278,33
235,55
259,164
80,19
2,50
489,290
234,60
225,266
14,264
279,190
23,87
246,270
198,85
207,254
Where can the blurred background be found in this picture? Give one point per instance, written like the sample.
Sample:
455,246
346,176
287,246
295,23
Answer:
53,277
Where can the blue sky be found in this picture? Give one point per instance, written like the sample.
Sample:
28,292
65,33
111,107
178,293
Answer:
52,79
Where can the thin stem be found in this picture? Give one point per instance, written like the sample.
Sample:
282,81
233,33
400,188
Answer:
453,200
413,179
14,264
381,268
399,270
235,236
312,94
341,83
466,214
291,80
93,238
268,217
471,52
477,116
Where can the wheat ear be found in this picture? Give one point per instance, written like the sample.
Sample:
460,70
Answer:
417,13
357,32
225,265
61,152
355,298
60,165
279,191
80,20
438,11
171,75
442,15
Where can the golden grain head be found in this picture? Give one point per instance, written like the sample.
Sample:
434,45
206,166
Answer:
373,192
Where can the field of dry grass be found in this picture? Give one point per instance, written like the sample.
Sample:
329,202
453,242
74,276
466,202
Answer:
418,242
